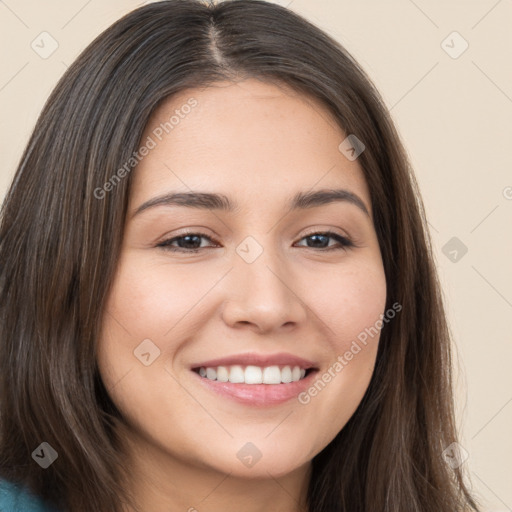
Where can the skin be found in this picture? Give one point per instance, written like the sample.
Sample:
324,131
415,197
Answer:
259,144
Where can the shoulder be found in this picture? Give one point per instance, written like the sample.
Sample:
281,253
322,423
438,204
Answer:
14,498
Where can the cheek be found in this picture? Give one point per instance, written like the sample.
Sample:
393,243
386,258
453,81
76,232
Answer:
352,306
148,299
358,320
146,308
349,300
137,309
152,301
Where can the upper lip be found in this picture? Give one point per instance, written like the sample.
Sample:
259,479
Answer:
254,359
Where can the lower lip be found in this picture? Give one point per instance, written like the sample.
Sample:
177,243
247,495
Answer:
258,394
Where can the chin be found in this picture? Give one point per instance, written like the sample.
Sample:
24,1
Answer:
260,458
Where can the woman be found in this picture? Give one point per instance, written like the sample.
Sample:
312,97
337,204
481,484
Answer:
300,360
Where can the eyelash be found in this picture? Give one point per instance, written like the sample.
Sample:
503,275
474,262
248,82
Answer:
343,241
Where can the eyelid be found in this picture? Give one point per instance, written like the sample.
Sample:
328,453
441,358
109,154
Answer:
165,243
330,231
346,241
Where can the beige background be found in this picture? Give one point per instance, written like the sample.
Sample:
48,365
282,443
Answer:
454,115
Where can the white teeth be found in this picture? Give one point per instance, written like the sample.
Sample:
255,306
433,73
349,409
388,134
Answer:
253,375
236,374
272,375
286,374
222,374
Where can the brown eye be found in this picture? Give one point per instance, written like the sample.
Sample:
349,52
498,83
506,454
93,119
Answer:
187,242
319,240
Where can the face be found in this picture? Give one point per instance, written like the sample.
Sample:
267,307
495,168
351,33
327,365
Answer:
229,340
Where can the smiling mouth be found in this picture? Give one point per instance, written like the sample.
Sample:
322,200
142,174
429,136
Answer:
250,374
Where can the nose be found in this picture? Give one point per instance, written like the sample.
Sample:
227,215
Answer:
263,294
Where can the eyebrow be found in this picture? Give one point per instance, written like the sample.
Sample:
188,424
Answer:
214,201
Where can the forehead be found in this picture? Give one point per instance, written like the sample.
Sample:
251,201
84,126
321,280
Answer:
246,139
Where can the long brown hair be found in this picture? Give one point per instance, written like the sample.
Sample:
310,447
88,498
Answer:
60,240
